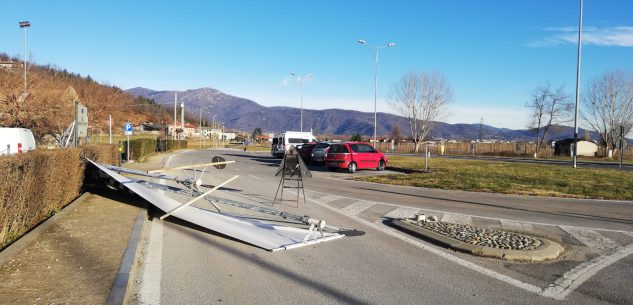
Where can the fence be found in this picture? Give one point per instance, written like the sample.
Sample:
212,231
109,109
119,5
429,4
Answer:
486,149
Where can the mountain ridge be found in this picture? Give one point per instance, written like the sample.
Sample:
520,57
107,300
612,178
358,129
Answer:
245,115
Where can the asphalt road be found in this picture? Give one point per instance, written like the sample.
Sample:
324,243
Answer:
184,264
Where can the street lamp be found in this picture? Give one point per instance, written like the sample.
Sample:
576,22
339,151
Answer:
575,154
24,25
391,44
301,78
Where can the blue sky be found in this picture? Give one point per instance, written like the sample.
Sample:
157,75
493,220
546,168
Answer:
493,53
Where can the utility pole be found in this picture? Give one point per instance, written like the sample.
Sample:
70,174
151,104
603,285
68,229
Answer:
25,25
182,118
110,127
575,155
175,109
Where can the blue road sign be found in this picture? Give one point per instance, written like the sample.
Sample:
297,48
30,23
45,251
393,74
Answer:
128,128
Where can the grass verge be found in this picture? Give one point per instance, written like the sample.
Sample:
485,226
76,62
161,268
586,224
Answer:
511,178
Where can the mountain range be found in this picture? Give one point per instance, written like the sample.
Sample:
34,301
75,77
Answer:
246,115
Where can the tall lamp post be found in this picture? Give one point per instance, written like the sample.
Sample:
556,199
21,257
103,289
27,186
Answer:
577,88
391,44
25,25
301,78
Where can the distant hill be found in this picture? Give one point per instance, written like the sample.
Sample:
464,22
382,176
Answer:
244,114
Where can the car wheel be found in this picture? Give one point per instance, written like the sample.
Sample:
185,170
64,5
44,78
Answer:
351,168
381,165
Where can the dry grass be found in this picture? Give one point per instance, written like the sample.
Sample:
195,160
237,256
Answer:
512,178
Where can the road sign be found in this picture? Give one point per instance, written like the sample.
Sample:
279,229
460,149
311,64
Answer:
128,129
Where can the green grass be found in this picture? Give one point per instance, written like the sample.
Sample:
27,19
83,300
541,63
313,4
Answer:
512,178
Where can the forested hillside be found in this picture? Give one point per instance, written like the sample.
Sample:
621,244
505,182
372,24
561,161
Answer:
48,109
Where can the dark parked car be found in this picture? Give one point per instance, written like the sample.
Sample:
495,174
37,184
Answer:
306,151
353,156
319,152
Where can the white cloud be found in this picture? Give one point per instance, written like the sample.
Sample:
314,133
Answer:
621,36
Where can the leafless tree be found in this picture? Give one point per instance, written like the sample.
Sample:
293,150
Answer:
608,104
549,107
422,99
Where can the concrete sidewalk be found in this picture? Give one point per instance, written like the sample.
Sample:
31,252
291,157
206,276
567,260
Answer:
76,258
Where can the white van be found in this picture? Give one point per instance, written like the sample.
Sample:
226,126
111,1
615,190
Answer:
16,140
282,142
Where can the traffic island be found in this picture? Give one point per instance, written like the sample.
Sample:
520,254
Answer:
483,241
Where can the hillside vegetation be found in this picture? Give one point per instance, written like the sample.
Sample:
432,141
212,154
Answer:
48,108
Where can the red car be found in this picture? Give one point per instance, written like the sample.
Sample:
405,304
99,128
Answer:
353,156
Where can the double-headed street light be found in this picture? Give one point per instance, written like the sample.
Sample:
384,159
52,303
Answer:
391,44
301,78
24,25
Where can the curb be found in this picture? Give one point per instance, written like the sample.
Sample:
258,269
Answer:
122,284
27,239
549,250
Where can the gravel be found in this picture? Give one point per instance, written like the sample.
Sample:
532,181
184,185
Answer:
483,237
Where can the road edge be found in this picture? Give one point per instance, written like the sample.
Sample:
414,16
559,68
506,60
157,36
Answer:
127,270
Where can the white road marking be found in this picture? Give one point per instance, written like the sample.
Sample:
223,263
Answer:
329,198
562,287
591,238
439,252
471,215
517,225
457,219
255,177
358,207
149,292
402,212
573,278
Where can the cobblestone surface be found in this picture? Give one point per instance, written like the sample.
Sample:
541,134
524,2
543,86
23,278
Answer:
482,236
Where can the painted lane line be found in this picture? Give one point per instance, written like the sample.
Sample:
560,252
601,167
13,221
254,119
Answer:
437,251
478,216
457,219
358,207
401,212
573,278
517,225
149,291
150,285
591,238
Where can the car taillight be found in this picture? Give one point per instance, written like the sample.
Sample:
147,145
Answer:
326,151
19,148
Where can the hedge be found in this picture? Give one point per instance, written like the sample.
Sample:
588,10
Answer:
39,183
142,148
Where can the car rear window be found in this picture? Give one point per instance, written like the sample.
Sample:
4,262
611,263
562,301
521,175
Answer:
323,145
338,149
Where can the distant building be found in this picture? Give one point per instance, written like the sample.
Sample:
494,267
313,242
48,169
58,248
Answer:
585,148
10,65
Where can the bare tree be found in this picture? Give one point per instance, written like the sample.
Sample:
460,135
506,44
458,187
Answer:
422,99
608,104
548,107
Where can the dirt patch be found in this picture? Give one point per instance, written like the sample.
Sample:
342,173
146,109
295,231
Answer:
75,261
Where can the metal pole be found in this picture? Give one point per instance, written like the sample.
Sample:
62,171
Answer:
301,114
26,61
127,154
110,128
575,155
621,145
173,134
375,93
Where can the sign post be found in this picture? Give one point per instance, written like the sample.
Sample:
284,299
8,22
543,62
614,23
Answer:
128,132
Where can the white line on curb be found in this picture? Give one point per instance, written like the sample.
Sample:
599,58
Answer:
573,278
